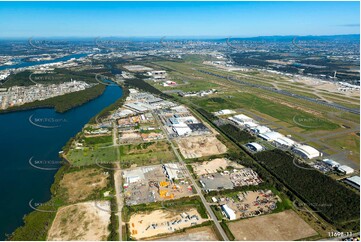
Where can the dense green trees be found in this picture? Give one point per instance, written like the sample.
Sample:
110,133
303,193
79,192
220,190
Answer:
334,201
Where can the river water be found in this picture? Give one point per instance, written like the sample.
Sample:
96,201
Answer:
37,135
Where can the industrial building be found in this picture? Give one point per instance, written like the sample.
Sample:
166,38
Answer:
225,112
270,136
353,181
284,142
260,129
241,119
255,146
307,152
331,163
345,169
158,74
172,171
230,214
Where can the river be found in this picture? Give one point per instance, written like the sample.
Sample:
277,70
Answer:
38,134
34,63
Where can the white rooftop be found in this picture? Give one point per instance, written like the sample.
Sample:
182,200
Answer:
346,169
256,145
354,179
309,151
270,136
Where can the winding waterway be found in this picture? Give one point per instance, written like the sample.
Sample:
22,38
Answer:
38,134
34,63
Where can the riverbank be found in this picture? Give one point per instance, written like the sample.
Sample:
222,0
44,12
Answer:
37,223
64,102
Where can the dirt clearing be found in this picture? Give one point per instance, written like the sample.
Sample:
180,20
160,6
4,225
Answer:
285,225
145,225
196,234
194,147
82,221
79,185
212,166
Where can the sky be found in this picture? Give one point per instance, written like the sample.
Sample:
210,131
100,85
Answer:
235,19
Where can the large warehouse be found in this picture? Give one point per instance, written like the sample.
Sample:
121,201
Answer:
241,119
307,152
230,214
353,181
260,129
270,136
255,146
284,142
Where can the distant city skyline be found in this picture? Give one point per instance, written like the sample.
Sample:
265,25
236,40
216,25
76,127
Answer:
194,19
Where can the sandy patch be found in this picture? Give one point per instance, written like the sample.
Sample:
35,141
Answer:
194,147
82,221
209,167
285,225
79,185
143,225
195,234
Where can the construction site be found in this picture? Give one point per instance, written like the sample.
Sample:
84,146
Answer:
155,183
144,225
247,204
200,146
214,166
229,179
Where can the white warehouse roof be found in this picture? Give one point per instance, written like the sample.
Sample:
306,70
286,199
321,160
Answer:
331,162
307,151
354,179
229,212
284,141
242,118
172,170
255,145
250,124
261,129
346,169
270,136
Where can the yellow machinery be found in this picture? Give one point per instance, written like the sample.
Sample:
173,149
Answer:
165,194
164,183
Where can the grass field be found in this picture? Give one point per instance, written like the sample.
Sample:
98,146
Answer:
145,154
276,110
89,156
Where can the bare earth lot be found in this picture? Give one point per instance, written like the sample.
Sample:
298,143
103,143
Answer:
140,225
196,234
82,221
194,147
79,185
279,226
208,167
